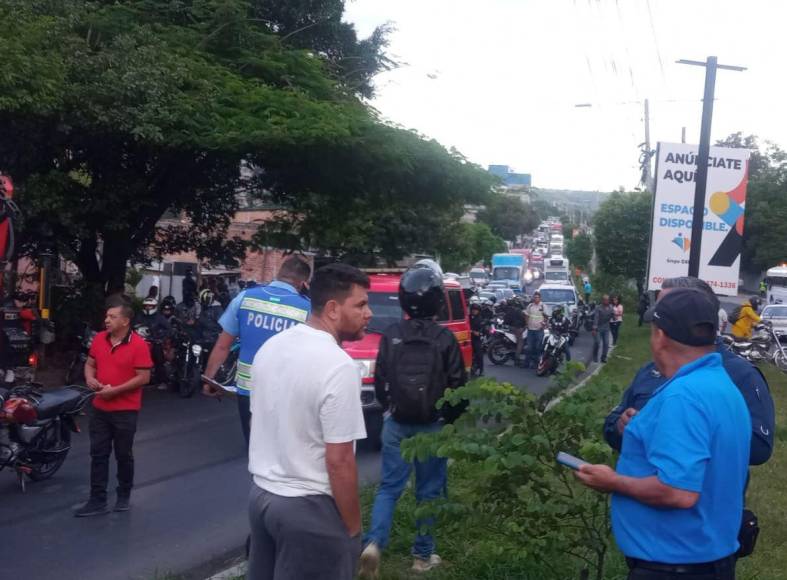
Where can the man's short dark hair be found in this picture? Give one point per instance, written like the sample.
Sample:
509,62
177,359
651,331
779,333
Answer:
295,269
335,282
126,310
692,282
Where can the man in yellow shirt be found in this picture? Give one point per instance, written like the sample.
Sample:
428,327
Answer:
742,329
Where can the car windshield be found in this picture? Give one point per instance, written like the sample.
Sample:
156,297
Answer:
775,312
558,296
556,276
385,310
503,273
479,275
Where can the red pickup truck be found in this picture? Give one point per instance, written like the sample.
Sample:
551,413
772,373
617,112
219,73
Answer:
384,302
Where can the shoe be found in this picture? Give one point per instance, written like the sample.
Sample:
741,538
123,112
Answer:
93,507
420,565
122,503
369,566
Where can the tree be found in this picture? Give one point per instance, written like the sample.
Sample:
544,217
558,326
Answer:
508,217
579,250
464,245
764,236
143,107
621,233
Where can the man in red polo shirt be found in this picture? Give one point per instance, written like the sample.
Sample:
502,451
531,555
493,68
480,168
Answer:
117,368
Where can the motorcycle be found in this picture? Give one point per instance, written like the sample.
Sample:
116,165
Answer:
575,324
588,311
501,346
36,428
75,375
552,353
758,348
190,359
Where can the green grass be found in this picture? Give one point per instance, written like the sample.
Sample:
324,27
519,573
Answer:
470,554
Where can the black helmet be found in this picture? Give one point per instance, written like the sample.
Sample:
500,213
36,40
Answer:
421,293
168,301
557,311
755,302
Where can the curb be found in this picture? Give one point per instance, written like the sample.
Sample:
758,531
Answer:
231,573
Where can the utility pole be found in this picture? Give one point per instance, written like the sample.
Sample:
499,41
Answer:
648,173
701,174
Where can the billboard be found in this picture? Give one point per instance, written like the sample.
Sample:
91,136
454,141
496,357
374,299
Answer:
725,203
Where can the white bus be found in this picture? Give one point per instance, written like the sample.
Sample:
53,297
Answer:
776,280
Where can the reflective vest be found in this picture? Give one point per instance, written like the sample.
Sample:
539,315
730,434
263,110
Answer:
265,311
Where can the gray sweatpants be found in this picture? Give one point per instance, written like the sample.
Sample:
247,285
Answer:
299,538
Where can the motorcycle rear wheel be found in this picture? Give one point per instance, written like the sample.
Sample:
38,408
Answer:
190,384
498,353
780,360
544,366
42,471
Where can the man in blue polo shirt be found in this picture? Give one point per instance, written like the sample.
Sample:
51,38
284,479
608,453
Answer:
255,315
678,488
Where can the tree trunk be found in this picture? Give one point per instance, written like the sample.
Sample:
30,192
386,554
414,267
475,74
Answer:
113,266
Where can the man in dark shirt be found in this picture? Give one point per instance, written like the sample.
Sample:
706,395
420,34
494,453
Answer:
747,378
601,319
476,330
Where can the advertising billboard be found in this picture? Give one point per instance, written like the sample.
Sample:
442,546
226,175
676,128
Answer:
725,204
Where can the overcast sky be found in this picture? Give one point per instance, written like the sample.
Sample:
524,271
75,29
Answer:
499,79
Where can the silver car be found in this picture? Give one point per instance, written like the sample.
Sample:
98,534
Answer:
776,314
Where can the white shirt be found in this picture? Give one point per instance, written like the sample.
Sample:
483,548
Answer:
306,393
722,320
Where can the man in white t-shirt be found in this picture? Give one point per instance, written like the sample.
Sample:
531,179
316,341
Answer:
304,507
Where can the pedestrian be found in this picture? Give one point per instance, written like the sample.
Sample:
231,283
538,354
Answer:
476,333
602,317
677,490
189,287
617,318
536,323
254,316
410,396
304,507
588,289
723,320
117,368
744,318
747,377
642,307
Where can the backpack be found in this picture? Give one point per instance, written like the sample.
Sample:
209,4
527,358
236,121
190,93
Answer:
735,316
417,378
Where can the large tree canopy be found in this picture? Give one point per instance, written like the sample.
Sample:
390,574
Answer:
115,112
509,217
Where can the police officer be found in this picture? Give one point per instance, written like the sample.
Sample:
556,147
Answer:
255,315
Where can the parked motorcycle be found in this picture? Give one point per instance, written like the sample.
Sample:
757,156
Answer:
36,428
190,359
75,374
764,345
552,353
501,346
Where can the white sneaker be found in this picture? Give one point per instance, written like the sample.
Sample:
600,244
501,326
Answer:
9,376
420,565
369,566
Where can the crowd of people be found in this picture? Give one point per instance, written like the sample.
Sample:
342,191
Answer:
688,428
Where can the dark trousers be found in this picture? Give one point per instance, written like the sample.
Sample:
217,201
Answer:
478,356
244,410
614,328
108,430
723,569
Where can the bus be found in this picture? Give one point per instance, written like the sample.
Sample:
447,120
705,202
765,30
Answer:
776,281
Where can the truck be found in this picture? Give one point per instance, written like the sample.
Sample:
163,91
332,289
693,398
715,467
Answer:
510,268
557,270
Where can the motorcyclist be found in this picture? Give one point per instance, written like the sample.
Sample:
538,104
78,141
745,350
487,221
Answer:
210,313
150,317
476,332
560,324
186,314
514,318
747,319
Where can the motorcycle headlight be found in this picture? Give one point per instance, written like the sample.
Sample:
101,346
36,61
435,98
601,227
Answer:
367,368
196,349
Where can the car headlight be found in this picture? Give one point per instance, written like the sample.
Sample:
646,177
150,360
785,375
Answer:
367,368
196,349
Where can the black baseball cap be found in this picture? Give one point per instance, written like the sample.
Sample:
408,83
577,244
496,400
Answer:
687,316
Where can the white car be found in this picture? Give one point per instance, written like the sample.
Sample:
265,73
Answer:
554,294
776,314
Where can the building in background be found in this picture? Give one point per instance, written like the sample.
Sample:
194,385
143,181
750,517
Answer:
509,177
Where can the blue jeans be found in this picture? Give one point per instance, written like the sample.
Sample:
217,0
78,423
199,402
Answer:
430,483
601,338
535,340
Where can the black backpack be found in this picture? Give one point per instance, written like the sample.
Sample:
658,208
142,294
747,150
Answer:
417,378
735,316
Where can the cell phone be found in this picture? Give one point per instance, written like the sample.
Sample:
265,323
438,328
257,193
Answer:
570,461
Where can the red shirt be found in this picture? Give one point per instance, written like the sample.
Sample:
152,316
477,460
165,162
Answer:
118,365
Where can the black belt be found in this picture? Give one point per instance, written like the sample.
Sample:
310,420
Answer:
701,568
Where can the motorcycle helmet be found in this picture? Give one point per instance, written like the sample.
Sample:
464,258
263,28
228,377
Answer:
421,292
755,303
206,298
149,306
557,311
168,301
430,264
